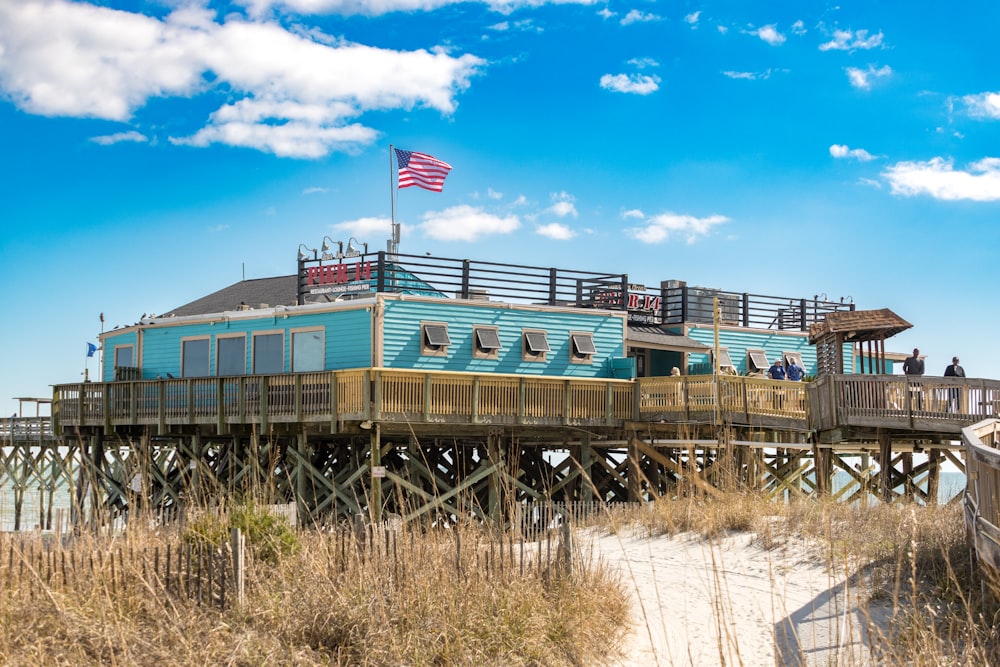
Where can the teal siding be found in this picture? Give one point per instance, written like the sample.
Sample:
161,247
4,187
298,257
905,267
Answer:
739,341
402,345
347,339
112,340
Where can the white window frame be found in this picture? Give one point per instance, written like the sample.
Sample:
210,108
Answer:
306,330
752,364
242,336
208,351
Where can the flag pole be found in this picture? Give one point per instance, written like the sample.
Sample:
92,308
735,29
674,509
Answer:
393,245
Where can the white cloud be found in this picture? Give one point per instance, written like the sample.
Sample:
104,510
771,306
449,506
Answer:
639,84
499,27
799,28
749,76
938,178
633,213
493,194
557,231
861,78
769,34
846,40
562,205
722,29
292,94
660,228
983,105
840,151
367,229
314,191
109,139
606,13
692,18
636,16
379,7
466,223
643,63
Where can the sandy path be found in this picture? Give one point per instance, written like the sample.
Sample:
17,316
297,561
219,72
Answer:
730,602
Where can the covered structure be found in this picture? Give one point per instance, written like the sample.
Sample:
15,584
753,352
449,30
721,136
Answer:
854,326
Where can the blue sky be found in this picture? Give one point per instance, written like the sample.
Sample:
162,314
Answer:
154,152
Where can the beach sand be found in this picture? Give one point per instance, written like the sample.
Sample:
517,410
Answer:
728,601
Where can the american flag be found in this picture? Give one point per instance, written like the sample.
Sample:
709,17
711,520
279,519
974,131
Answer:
421,170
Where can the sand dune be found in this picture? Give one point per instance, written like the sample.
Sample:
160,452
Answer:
728,601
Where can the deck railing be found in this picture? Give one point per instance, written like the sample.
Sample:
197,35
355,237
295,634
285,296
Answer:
25,428
902,401
739,399
940,405
380,394
982,492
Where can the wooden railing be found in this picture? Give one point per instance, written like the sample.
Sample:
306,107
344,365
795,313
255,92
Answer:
939,405
379,394
25,428
897,401
739,399
982,492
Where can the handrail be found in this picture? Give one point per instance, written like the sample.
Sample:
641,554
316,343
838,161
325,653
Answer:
942,405
982,492
356,394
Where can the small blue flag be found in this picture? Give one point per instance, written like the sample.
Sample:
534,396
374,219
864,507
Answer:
91,348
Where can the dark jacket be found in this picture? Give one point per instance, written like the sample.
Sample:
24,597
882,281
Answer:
954,371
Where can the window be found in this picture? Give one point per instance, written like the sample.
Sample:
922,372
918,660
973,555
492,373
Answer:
582,348
792,356
725,362
535,346
231,355
757,361
194,358
307,351
268,354
485,343
124,356
434,339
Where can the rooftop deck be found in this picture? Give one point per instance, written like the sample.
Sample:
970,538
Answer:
672,302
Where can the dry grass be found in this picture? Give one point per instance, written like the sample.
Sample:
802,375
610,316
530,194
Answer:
434,598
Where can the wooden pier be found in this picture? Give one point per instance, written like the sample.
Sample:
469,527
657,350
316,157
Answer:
414,443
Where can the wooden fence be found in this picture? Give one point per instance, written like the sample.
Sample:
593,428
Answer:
982,493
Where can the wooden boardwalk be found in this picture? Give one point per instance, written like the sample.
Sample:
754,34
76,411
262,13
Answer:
415,442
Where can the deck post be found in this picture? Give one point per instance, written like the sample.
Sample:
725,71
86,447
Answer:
302,449
494,493
885,464
634,471
375,445
933,476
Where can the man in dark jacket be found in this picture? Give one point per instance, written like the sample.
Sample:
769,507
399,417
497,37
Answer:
954,371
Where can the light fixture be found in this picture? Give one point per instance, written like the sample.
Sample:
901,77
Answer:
328,243
352,251
304,252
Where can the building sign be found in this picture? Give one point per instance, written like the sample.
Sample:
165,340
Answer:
378,472
335,279
642,306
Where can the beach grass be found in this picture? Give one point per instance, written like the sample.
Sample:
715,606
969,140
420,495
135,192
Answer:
471,595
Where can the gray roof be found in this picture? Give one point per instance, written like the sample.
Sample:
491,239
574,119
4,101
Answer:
659,338
256,293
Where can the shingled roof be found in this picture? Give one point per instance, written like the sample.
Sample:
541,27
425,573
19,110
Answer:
256,293
859,325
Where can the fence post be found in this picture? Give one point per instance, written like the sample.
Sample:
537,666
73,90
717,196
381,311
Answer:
238,545
567,542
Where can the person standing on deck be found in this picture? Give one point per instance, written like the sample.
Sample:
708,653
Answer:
776,371
954,371
795,371
915,366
